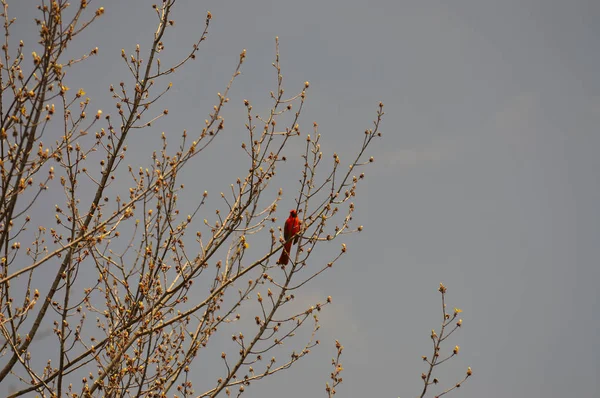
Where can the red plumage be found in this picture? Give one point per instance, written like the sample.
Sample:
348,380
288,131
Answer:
291,228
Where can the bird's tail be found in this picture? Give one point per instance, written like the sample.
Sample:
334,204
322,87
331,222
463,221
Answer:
285,254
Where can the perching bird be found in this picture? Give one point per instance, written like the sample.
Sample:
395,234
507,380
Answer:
291,228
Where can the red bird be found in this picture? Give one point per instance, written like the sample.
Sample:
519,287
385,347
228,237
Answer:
291,228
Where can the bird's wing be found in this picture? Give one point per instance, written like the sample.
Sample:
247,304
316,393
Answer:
288,229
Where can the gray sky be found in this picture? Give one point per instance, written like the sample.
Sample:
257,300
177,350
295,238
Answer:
486,178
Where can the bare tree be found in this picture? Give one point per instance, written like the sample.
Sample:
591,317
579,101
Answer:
128,286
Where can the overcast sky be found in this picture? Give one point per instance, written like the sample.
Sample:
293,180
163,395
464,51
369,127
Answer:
487,177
